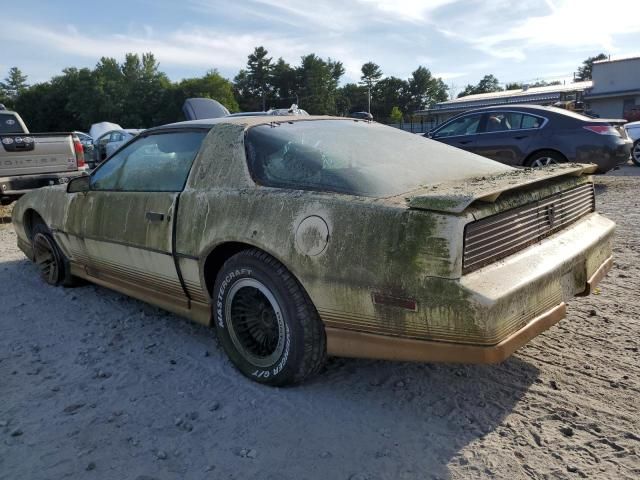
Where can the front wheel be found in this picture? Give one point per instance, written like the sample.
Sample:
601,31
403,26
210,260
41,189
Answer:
544,159
266,322
53,265
47,256
635,153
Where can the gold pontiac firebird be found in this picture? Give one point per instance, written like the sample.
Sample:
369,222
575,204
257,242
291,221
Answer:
302,237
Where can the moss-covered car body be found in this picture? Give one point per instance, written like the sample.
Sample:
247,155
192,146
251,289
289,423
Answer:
386,274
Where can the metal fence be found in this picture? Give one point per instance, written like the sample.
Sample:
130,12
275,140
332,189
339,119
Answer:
415,125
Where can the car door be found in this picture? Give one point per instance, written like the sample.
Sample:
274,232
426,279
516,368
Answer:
506,136
116,139
129,213
460,132
101,147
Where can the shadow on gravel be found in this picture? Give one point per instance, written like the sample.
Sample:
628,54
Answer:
95,380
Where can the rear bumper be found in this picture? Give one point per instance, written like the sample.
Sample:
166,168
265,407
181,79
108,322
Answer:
349,343
18,185
489,313
614,152
346,343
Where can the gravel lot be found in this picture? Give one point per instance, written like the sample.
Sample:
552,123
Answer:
96,385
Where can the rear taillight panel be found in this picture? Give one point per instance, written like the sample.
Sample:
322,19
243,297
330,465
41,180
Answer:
603,130
79,150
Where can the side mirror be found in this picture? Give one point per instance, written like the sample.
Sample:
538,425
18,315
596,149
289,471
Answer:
79,184
429,134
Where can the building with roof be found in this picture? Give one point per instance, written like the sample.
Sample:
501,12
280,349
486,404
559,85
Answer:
550,95
616,88
613,92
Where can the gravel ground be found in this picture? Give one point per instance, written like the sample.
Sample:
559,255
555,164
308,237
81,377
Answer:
96,385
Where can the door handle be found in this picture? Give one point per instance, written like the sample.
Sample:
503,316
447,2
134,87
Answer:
154,217
520,137
464,142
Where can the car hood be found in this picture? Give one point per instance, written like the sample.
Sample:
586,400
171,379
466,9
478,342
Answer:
456,196
98,129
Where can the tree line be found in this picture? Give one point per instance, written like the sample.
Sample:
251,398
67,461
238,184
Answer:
137,94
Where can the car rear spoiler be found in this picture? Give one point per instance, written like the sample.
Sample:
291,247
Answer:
610,121
455,197
203,108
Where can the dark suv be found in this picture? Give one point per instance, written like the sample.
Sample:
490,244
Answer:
534,136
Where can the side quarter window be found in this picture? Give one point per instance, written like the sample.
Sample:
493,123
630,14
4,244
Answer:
154,163
529,121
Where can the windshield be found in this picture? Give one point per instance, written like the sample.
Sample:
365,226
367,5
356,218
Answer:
355,157
9,124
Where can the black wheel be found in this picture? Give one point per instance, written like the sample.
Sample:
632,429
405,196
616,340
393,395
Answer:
50,260
635,153
266,322
545,158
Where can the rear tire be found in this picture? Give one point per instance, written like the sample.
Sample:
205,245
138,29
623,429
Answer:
266,322
53,265
545,158
635,153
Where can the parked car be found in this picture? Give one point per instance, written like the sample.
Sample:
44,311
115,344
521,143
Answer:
361,115
633,132
534,136
302,237
33,160
109,142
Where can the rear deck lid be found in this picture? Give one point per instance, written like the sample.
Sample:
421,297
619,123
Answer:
456,196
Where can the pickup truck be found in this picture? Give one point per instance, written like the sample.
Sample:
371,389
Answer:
33,160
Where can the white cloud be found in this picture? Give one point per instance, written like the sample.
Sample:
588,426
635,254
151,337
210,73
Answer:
409,10
566,24
193,47
449,75
447,36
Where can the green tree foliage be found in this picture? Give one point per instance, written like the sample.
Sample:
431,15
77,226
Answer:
212,85
425,89
391,92
14,84
284,85
586,70
514,86
351,98
543,83
134,94
254,84
318,84
396,115
371,73
488,84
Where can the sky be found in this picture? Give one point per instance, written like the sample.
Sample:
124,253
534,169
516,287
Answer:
458,40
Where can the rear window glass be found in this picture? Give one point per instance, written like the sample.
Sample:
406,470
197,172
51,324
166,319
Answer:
9,123
354,157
